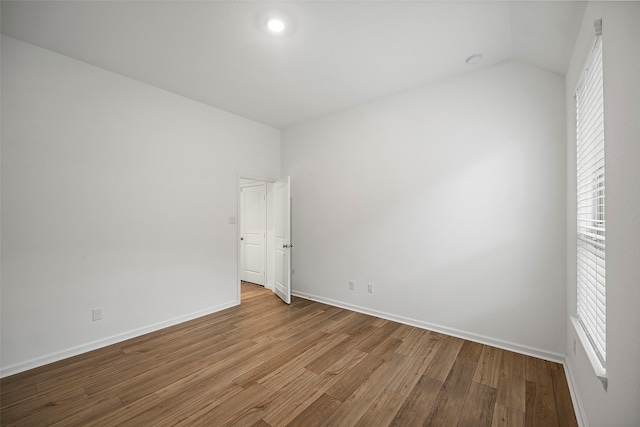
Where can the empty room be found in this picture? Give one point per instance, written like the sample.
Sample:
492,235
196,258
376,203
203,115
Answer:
319,213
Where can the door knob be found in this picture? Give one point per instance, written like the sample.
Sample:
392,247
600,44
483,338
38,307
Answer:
242,238
285,246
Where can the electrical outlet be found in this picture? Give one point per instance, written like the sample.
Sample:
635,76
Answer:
574,345
370,288
352,285
96,314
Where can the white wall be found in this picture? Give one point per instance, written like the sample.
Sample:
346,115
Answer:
450,199
116,195
620,404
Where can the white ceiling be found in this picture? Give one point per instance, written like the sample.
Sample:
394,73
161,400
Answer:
334,55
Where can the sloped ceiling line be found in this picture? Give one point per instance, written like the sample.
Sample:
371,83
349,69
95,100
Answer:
333,56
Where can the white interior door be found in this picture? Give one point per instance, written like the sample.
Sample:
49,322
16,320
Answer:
282,249
253,229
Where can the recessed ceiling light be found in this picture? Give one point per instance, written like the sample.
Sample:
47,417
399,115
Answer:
275,25
474,59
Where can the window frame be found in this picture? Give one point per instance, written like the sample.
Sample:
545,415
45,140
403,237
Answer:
590,320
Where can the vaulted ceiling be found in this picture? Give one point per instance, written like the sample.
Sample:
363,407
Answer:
332,55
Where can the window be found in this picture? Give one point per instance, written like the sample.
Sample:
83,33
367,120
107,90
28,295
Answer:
591,290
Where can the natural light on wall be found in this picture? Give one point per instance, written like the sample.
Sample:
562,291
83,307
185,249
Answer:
591,295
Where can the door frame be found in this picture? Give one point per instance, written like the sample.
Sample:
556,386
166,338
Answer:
240,177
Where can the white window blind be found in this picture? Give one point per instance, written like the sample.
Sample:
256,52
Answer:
591,287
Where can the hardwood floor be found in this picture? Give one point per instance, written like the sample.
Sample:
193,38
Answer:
264,363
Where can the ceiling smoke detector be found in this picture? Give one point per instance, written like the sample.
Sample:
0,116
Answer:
474,59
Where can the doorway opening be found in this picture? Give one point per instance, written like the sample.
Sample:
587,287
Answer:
264,250
253,232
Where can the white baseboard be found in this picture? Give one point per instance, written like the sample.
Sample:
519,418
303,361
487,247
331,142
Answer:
505,345
581,416
94,345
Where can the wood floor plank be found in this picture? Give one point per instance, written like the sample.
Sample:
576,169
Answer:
310,323
201,342
316,413
174,341
511,385
379,334
39,403
179,407
511,393
448,405
403,332
281,414
267,364
503,416
566,415
279,360
537,371
352,379
362,321
379,322
149,382
285,394
386,346
513,365
281,323
295,397
89,413
489,366
67,368
336,323
414,338
217,372
119,416
64,412
382,410
479,406
280,376
263,322
416,364
142,380
329,358
229,411
471,351
98,375
418,404
541,406
341,315
444,359
354,407
13,393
